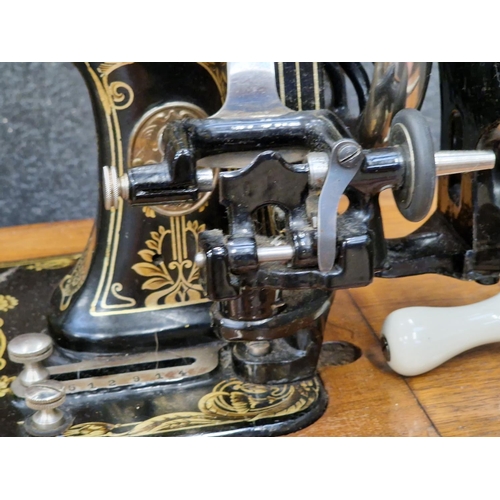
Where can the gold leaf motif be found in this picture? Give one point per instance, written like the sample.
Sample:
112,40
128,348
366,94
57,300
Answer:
106,68
7,302
147,255
93,429
229,401
145,269
155,283
149,212
176,282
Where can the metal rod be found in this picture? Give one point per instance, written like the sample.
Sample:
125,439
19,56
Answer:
281,253
459,162
275,254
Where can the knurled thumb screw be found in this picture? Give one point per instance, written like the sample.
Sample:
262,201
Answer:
29,349
46,397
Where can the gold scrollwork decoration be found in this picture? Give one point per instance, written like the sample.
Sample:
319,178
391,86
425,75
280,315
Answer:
53,263
218,72
176,282
5,385
118,287
117,94
72,282
106,68
230,401
7,302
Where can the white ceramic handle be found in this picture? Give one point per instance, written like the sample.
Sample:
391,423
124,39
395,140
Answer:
419,339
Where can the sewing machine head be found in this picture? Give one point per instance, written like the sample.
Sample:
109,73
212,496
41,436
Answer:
200,301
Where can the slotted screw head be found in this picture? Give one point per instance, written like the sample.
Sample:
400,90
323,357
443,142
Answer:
348,154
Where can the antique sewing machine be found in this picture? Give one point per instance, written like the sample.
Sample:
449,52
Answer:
199,304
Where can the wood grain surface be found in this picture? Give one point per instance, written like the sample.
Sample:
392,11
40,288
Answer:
460,398
34,241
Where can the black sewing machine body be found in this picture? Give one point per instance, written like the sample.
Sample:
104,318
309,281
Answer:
179,318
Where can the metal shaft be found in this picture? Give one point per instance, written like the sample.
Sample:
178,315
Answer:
281,253
459,162
275,254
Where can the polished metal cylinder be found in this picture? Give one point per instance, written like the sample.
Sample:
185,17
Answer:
205,179
115,187
459,162
281,253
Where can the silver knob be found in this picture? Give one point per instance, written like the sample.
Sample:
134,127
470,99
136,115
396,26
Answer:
114,187
29,349
46,397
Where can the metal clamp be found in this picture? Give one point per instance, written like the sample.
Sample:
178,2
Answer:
345,161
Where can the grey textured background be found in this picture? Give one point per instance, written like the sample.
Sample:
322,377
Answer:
48,153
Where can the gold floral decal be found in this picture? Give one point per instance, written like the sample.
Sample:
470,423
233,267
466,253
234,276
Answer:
43,263
218,72
149,212
177,281
7,302
230,401
53,263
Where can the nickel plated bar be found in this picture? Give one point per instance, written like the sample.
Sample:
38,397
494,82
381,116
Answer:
459,162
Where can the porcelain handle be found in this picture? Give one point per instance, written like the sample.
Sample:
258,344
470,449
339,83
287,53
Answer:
418,339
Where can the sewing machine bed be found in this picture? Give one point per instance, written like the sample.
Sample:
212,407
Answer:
216,403
365,398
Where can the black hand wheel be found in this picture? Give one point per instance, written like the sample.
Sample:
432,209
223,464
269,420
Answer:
409,131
